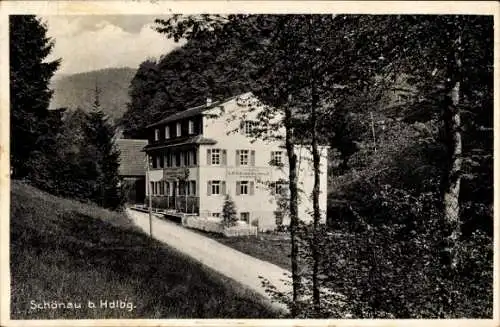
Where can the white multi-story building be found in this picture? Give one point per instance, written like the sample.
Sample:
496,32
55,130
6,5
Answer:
200,155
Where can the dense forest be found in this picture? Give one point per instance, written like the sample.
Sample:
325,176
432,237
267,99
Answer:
406,105
68,153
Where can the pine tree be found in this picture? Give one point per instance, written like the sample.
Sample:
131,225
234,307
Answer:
99,134
30,75
229,217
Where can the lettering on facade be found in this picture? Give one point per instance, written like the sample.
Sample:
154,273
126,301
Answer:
175,173
252,172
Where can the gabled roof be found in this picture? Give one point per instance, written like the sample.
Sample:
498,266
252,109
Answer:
132,162
195,111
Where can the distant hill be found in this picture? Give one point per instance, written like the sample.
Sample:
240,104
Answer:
77,90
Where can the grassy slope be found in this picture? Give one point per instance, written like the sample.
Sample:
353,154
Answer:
67,251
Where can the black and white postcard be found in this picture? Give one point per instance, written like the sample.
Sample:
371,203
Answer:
248,163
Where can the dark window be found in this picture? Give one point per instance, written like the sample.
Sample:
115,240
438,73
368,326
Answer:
177,159
194,157
168,160
245,216
153,158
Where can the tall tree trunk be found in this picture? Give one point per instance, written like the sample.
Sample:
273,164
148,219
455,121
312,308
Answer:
453,143
451,206
316,163
316,220
315,192
293,207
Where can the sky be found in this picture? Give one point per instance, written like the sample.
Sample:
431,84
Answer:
86,43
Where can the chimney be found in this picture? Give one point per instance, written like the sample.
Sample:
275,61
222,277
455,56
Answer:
209,102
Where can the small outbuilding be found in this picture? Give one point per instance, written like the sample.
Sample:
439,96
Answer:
133,168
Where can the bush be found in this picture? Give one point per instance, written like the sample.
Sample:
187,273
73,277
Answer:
393,268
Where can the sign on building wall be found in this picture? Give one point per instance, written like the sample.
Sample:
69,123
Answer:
175,173
251,172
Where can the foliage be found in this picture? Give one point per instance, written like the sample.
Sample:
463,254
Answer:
396,161
107,190
393,270
30,75
229,217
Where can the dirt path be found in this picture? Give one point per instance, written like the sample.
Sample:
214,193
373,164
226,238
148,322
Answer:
236,265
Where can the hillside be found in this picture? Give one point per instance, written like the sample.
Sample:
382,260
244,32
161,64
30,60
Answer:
78,90
66,251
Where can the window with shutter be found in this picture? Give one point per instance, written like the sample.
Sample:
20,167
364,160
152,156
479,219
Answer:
252,157
243,159
215,158
237,158
209,156
215,187
251,188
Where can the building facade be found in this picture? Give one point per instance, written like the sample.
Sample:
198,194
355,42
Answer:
200,155
132,169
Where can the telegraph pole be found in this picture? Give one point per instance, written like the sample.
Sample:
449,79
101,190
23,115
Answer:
149,197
